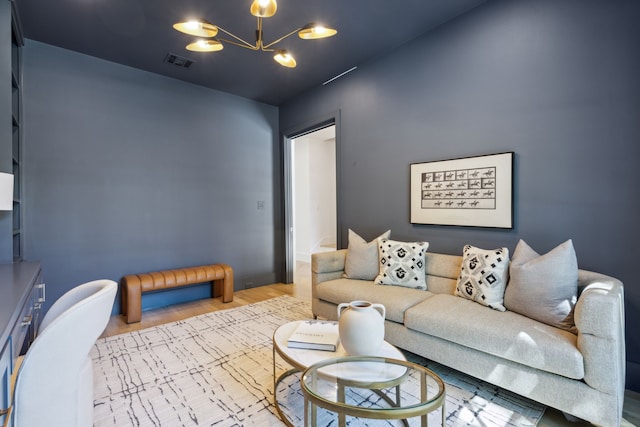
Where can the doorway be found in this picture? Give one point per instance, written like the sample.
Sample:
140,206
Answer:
312,200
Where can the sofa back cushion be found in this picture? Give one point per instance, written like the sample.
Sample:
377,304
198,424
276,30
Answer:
442,272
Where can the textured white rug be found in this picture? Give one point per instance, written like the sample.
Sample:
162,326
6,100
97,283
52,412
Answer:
216,370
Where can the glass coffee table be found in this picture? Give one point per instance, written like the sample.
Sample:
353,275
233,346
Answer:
301,359
371,387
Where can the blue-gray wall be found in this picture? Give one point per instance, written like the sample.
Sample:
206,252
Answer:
554,81
128,172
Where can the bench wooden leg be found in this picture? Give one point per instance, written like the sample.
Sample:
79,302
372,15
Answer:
132,301
227,285
224,285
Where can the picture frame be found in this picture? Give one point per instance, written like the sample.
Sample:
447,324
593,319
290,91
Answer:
470,191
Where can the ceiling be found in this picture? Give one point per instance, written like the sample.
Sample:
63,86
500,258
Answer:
139,33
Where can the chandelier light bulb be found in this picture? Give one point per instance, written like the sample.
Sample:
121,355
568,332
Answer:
197,28
264,8
313,31
205,46
285,59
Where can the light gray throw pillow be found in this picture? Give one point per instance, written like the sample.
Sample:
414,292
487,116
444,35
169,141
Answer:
362,257
544,287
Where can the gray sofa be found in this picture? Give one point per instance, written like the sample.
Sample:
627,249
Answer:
582,375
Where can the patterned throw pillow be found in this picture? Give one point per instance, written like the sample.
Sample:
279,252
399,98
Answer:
483,276
402,263
361,261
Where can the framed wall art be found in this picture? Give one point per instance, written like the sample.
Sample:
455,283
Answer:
470,191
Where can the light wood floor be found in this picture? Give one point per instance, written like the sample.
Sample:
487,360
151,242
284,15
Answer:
302,290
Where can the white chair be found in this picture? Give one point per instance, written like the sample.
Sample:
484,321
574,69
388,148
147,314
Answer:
54,386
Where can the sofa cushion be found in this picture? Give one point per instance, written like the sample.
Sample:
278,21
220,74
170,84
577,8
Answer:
396,300
401,263
484,275
361,261
504,334
441,272
544,287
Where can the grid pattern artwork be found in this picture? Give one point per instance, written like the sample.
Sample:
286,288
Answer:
459,189
469,191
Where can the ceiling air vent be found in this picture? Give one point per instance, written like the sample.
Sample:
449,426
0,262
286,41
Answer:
179,61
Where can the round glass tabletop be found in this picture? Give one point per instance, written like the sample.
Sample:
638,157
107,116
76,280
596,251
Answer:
303,358
371,387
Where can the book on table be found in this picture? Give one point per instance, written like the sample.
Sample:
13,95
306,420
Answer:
315,335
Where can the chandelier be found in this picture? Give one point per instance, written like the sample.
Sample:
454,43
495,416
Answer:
260,9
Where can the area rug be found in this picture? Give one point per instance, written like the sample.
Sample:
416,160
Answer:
216,370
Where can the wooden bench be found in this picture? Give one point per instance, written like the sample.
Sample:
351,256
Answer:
134,285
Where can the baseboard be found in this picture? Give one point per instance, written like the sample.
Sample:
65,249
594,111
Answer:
303,257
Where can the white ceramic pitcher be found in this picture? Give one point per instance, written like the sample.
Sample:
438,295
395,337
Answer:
361,327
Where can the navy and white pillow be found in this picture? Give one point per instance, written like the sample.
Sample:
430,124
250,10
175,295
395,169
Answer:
483,276
401,263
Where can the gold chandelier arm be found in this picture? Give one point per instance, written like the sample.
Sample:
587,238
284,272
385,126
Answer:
240,42
246,46
281,38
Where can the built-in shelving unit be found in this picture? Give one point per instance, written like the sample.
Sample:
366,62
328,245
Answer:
16,102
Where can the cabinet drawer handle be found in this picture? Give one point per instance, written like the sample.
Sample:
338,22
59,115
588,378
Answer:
42,286
26,320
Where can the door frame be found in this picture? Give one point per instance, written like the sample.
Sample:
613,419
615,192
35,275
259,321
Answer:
293,133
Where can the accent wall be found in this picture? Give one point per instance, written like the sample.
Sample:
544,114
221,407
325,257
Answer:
129,172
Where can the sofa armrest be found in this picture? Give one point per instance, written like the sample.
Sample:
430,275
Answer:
599,318
327,266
